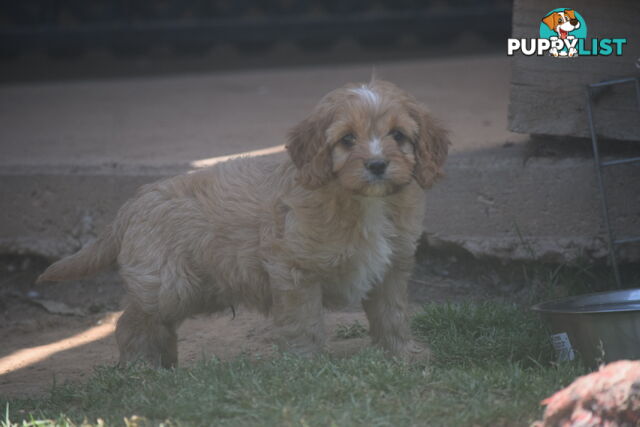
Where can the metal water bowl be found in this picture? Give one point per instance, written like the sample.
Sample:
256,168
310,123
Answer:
600,327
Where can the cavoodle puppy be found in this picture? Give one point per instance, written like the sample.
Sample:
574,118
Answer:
333,223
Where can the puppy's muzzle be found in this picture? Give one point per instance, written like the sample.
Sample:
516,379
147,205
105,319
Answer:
377,167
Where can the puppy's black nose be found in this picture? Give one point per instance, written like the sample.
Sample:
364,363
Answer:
573,22
376,167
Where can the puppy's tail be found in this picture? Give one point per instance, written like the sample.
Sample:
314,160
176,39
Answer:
87,261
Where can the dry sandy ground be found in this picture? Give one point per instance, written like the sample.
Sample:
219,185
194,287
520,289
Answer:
58,350
39,348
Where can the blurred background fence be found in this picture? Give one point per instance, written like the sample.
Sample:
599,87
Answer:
68,28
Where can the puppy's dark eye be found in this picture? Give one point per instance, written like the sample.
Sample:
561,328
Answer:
348,141
398,136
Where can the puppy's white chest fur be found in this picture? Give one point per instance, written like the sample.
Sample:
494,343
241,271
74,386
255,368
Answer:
369,253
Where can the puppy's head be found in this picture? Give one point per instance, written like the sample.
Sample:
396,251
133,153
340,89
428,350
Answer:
372,138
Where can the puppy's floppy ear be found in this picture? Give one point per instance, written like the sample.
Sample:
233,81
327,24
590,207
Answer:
550,21
309,150
571,13
431,146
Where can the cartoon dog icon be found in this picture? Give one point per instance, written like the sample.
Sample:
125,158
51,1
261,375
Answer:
562,23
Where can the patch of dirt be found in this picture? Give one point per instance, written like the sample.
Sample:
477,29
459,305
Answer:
39,348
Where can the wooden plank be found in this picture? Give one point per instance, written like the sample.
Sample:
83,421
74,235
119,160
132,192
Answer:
548,95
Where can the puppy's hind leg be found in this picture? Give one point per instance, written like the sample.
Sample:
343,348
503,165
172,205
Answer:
145,337
159,302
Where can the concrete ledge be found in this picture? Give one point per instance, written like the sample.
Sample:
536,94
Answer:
540,209
53,213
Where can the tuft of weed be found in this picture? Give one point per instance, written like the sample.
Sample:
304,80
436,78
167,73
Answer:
346,331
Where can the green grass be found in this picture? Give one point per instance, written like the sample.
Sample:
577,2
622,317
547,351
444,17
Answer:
466,334
492,365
